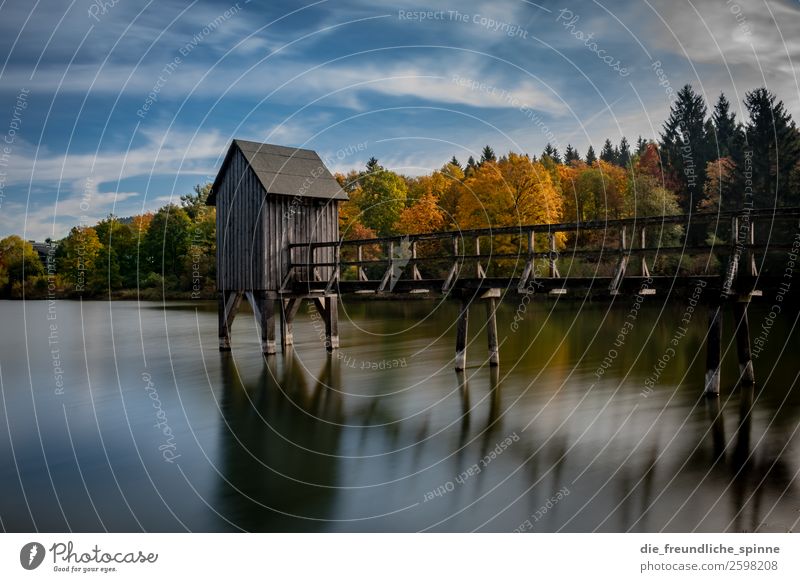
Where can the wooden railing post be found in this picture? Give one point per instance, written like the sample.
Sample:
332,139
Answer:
362,274
387,276
529,270
479,272
751,241
451,276
643,245
415,274
553,268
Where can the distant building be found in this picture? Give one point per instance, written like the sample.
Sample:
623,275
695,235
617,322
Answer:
43,249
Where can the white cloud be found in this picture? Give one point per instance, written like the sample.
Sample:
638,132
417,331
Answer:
87,183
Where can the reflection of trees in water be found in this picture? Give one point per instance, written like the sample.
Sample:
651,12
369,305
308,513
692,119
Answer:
269,431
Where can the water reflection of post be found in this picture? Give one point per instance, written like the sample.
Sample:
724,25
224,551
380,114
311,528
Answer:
741,453
493,423
463,390
741,456
268,437
714,413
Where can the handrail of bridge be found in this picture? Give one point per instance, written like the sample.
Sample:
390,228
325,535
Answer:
690,219
742,228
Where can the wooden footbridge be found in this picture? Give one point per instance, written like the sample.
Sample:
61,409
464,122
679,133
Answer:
278,244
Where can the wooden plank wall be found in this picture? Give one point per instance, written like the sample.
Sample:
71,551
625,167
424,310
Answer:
292,219
240,237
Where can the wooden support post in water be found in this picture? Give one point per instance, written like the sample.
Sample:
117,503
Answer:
491,328
266,308
224,332
461,335
331,322
288,311
327,307
713,350
746,373
227,306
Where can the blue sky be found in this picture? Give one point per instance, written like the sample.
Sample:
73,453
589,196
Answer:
119,107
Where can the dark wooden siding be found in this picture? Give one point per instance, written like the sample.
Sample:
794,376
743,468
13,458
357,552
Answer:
293,219
241,255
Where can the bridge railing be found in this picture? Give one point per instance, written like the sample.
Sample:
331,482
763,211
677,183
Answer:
520,247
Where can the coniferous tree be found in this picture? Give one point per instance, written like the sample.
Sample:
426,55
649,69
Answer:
487,155
773,142
471,166
552,153
607,153
726,135
571,154
591,157
641,146
624,154
684,147
454,161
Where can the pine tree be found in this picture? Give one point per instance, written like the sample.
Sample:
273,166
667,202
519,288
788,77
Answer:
552,153
471,166
624,154
454,161
373,165
641,146
726,136
684,147
591,158
487,155
773,141
607,153
571,154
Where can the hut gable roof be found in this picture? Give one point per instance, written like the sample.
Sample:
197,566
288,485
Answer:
283,170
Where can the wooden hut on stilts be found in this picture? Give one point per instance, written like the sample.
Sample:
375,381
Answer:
271,200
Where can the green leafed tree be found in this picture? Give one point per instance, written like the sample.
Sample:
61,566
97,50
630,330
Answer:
18,261
166,243
77,258
382,199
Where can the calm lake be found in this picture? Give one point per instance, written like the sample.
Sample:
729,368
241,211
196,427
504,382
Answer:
123,416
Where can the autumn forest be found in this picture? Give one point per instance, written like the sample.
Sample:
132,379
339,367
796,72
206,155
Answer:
705,159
